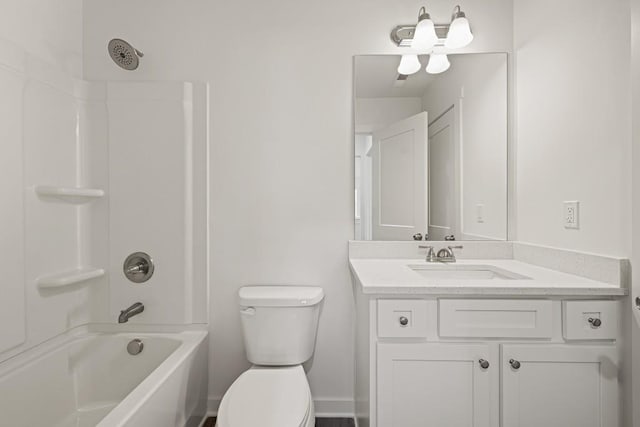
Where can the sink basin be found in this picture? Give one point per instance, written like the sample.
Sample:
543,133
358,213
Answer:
464,272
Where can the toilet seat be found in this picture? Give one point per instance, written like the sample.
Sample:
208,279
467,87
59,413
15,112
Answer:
267,396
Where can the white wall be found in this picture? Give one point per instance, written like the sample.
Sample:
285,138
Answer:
281,142
632,321
48,30
477,86
572,126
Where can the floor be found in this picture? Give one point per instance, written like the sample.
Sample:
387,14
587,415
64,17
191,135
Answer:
320,422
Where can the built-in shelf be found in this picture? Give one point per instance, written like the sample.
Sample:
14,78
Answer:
69,277
71,194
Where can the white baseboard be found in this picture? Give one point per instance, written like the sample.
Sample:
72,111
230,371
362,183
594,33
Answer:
212,406
336,408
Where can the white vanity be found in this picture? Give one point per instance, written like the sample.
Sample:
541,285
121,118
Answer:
486,342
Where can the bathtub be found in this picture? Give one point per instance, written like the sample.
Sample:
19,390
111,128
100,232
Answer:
90,379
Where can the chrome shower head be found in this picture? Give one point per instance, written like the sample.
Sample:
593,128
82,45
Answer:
124,55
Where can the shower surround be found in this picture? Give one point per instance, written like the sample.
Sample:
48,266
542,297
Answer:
92,172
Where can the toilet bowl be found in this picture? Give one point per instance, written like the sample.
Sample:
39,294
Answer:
268,397
279,325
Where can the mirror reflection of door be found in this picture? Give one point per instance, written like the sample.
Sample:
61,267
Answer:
460,186
399,196
364,142
443,186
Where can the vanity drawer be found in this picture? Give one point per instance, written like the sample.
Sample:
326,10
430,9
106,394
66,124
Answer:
495,318
589,320
398,318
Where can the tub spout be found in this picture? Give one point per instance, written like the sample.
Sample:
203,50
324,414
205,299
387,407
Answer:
128,313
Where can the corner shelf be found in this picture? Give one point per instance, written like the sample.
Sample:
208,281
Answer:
69,277
71,194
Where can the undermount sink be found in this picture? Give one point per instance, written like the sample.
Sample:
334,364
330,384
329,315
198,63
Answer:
464,272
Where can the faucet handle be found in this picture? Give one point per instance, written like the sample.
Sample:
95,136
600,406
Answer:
431,255
447,255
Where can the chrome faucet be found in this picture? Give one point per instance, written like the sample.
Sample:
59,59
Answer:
128,313
444,254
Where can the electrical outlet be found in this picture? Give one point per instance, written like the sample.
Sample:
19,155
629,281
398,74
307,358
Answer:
571,214
480,213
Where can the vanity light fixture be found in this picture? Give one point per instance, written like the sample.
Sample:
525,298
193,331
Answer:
409,64
454,35
459,34
424,37
438,63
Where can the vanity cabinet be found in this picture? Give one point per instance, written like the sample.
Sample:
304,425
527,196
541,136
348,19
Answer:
434,385
559,386
488,362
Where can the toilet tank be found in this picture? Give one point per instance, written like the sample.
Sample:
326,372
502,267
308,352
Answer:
279,323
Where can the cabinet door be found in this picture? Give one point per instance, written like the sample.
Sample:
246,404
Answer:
559,386
434,385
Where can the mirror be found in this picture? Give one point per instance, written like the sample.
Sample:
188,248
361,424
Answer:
431,149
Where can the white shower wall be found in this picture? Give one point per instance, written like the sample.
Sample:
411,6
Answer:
157,204
42,145
144,145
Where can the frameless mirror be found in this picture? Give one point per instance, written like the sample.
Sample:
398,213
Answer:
431,149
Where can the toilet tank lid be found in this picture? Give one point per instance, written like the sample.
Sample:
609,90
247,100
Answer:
280,296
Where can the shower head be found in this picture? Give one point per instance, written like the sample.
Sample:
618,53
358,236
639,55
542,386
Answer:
124,55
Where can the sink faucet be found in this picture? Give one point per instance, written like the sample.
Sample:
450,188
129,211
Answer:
444,254
128,313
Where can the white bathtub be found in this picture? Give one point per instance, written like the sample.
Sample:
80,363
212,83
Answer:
91,380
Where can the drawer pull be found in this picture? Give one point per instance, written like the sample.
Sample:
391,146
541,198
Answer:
404,321
514,364
484,364
595,322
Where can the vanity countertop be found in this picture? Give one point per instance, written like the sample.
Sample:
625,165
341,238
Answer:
395,277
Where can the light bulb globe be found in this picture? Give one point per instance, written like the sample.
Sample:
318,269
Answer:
409,64
424,37
459,34
438,63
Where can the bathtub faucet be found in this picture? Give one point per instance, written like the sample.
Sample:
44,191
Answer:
128,313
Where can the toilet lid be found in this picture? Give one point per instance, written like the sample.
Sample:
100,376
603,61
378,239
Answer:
267,397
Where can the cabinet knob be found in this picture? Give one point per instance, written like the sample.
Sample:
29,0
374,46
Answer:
514,364
484,364
595,322
404,321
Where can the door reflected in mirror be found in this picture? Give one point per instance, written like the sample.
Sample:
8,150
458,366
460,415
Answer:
431,150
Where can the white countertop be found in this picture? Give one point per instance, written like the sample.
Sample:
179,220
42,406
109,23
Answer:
394,277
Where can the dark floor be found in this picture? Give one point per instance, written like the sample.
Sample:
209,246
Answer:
320,422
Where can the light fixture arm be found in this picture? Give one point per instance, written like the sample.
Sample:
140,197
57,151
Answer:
422,14
457,13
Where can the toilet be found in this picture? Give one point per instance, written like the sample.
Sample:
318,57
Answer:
279,325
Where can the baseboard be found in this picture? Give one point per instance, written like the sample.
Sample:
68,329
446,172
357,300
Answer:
334,408
338,408
212,406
